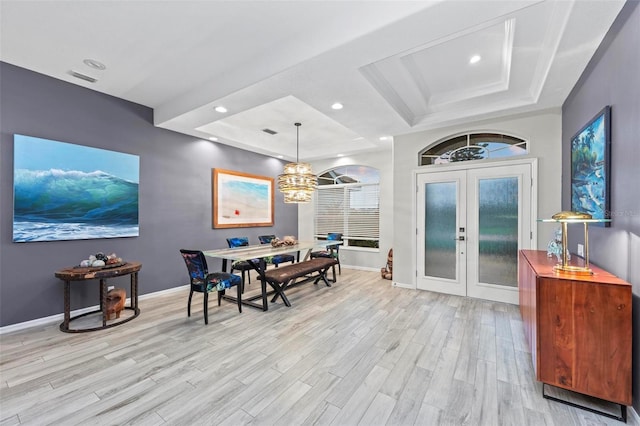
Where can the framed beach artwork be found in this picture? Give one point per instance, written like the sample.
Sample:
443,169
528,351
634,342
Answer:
241,199
590,167
64,191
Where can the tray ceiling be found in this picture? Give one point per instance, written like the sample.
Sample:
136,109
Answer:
396,66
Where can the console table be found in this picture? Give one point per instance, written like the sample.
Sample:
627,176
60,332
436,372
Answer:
102,274
578,328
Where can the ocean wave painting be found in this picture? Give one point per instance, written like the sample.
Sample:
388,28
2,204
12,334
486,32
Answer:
64,191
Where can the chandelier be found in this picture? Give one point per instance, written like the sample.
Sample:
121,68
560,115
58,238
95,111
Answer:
297,182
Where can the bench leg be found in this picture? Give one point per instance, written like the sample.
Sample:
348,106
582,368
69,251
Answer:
280,292
322,275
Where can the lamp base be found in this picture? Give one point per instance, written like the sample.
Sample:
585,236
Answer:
575,270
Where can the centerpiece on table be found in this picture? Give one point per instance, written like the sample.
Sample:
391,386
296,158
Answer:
287,240
101,260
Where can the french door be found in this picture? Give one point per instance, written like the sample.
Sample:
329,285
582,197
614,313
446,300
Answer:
470,225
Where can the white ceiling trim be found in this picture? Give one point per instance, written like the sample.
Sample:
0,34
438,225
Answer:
378,58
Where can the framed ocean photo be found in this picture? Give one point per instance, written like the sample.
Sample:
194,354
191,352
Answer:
241,200
64,191
590,167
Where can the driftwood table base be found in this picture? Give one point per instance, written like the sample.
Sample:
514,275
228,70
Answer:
84,274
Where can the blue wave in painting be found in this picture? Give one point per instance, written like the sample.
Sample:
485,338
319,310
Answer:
74,197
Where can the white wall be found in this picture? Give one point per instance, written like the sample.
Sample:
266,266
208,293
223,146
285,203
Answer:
542,130
361,258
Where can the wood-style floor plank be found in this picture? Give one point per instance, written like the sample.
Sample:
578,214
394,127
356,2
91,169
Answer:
359,352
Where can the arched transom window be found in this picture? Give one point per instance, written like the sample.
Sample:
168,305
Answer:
473,146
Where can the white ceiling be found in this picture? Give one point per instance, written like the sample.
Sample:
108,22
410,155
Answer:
397,66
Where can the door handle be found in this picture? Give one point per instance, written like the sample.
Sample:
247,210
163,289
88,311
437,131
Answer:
460,238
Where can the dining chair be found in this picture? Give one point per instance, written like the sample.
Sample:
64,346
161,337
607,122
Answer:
204,282
243,266
278,258
332,250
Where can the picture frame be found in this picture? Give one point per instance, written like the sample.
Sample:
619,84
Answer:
241,200
63,191
591,167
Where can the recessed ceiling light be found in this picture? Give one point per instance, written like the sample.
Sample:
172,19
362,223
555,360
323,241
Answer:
337,105
474,59
220,109
92,63
213,138
384,138
340,155
280,156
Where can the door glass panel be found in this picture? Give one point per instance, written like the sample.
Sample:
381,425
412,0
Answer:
440,230
498,231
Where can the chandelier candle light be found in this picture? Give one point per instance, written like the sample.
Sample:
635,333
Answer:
297,182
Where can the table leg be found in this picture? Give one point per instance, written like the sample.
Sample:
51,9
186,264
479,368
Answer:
134,291
67,305
103,301
263,283
307,256
260,268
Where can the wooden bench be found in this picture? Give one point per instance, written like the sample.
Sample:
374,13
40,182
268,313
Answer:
284,277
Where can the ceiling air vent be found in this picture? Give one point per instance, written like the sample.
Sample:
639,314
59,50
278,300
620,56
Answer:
271,132
81,76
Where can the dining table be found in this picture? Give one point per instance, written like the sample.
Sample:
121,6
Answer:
257,257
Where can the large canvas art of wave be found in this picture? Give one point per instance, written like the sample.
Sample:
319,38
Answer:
64,191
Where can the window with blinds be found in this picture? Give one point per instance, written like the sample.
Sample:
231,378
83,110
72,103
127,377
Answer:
352,209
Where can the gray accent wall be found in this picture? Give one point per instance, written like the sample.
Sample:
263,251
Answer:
174,203
613,78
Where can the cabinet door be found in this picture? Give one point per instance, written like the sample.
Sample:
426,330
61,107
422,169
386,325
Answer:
584,337
556,332
602,315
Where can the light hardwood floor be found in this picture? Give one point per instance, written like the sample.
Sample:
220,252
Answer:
360,352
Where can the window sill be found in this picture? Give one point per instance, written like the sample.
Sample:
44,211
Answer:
363,249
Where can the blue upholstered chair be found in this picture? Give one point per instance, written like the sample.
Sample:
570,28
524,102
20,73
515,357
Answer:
331,250
204,282
241,266
279,258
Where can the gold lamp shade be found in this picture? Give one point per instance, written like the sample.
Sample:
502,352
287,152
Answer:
566,215
297,182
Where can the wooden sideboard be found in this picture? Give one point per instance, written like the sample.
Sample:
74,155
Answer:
578,328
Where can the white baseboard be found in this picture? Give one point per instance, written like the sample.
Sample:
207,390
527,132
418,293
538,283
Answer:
402,285
60,317
360,268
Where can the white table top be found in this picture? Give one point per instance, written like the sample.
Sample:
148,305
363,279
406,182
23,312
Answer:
266,250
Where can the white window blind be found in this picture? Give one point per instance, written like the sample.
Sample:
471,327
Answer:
351,209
